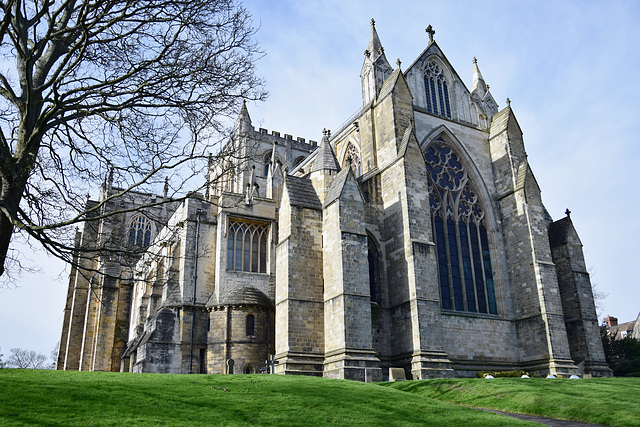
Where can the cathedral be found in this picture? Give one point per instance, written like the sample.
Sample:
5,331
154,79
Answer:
414,236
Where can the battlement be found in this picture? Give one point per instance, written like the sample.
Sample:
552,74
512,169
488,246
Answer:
297,142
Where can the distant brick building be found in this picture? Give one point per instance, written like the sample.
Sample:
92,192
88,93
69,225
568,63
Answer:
414,236
623,330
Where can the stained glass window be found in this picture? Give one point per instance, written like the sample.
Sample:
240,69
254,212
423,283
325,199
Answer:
465,274
247,246
436,84
140,231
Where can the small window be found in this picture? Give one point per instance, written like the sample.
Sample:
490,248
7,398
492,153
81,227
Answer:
352,155
251,325
267,163
140,231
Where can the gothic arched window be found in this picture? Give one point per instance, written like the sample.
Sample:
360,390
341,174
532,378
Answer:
267,164
140,231
462,244
352,155
436,90
247,246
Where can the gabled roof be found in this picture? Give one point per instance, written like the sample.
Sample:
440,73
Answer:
559,232
301,192
391,82
434,49
337,185
502,121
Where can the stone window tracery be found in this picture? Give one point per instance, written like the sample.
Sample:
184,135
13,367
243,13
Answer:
140,231
353,155
247,245
436,90
464,261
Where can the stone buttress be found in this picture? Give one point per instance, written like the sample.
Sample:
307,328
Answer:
539,317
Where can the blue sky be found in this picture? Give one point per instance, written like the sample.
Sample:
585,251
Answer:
571,71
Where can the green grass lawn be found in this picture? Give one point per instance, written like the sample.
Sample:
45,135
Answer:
608,401
29,397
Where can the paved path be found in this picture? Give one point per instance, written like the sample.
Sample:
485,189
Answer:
542,420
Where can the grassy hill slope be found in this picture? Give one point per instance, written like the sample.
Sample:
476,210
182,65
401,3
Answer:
608,401
29,397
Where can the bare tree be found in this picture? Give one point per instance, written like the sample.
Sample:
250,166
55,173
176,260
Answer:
140,90
26,359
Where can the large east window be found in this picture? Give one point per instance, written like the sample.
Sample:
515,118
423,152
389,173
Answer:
462,244
436,90
247,245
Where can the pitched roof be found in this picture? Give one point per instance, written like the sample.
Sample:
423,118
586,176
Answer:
325,159
559,232
336,186
301,192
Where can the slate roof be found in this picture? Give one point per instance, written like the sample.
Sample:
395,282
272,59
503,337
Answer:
337,185
325,159
246,295
301,193
559,232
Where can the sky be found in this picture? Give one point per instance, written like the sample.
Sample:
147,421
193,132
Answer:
570,69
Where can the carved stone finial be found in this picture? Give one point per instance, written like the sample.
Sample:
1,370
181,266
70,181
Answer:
367,53
166,186
487,88
568,212
324,132
381,50
373,22
475,60
398,62
431,32
508,102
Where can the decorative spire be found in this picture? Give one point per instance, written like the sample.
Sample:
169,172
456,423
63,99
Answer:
431,32
374,49
252,188
325,159
568,213
508,102
166,187
243,122
398,62
479,87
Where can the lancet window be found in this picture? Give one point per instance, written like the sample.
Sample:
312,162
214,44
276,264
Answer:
247,245
140,231
251,325
353,155
462,245
437,90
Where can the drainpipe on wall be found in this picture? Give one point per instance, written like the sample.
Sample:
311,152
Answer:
195,282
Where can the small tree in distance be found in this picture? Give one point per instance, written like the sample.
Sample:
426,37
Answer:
26,359
139,90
